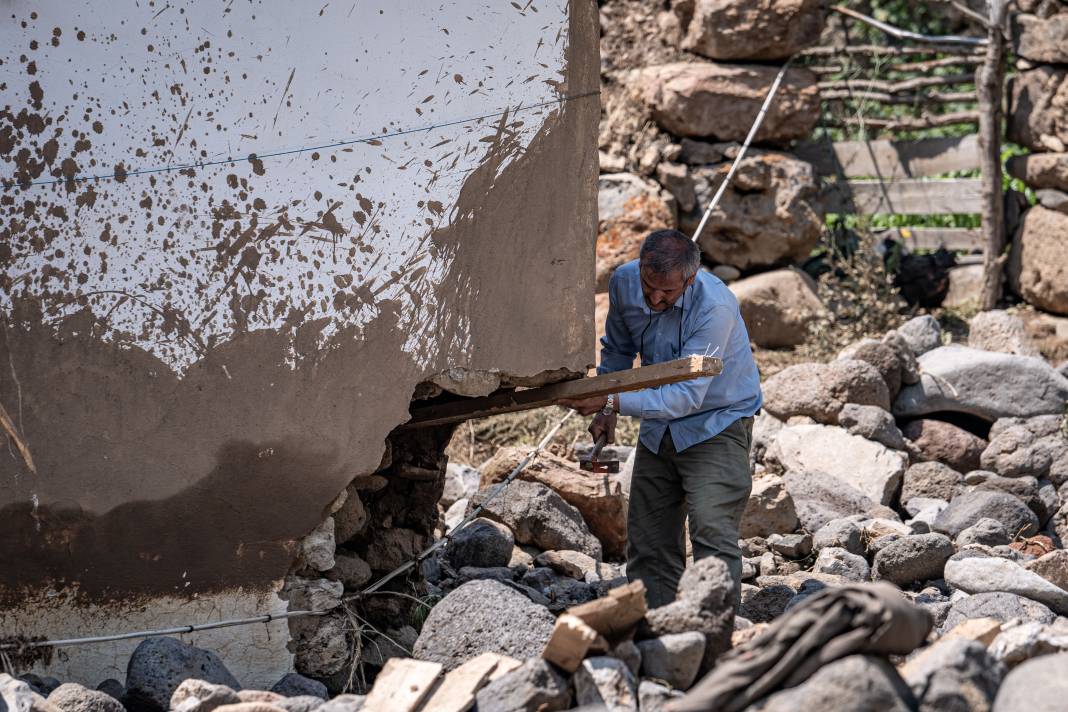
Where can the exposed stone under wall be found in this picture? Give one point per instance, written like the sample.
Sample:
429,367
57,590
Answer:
197,362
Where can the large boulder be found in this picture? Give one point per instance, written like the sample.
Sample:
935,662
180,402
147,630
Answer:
992,574
820,390
1041,39
1041,170
761,30
939,441
159,665
483,616
778,307
856,682
1001,606
967,508
629,207
1037,118
820,499
770,509
1038,685
721,101
986,384
768,216
537,515
602,501
870,468
1038,263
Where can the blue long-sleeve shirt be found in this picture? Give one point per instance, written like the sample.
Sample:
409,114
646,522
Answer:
704,321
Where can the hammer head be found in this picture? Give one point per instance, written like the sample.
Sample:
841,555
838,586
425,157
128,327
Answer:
594,465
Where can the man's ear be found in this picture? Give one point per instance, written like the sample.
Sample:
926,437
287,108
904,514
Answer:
690,280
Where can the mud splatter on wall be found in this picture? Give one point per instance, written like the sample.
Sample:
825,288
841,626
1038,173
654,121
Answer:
234,238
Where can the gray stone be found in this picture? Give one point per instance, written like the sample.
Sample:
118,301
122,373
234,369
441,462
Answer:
537,515
1000,606
18,696
296,685
1029,639
112,687
704,603
844,533
913,559
323,645
820,391
350,570
503,574
856,682
1023,488
791,546
343,703
954,676
1041,170
199,696
998,330
921,334
931,479
483,543
569,563
778,306
72,697
1038,685
969,507
1053,199
630,654
483,616
924,510
770,509
653,697
317,548
602,680
351,518
872,469
839,562
675,659
461,482
992,574
986,531
1052,566
535,686
939,441
563,591
1033,446
377,648
986,384
763,604
873,423
158,665
300,703
819,499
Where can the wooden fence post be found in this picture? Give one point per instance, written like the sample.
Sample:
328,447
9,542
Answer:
989,86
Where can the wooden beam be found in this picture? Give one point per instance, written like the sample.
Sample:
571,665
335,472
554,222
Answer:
904,123
904,197
892,160
931,238
402,685
456,693
633,379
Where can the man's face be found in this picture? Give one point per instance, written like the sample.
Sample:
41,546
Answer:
663,290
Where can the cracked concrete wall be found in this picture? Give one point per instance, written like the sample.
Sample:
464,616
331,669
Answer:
209,332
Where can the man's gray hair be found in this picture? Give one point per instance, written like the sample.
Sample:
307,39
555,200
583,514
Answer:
669,251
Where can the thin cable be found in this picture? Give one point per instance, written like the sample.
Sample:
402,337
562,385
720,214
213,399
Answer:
267,618
323,147
745,147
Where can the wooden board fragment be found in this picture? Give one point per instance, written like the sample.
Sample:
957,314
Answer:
456,693
931,238
888,159
615,615
904,197
981,630
633,379
402,685
570,641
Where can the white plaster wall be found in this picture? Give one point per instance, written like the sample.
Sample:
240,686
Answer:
180,83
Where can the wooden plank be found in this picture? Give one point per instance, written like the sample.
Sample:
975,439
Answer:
658,374
931,238
615,615
904,197
456,693
402,685
888,159
571,639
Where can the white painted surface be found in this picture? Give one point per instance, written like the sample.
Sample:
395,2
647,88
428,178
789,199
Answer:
281,76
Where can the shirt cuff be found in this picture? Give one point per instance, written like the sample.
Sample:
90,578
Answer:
630,403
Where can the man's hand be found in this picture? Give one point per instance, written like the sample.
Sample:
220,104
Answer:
604,424
585,406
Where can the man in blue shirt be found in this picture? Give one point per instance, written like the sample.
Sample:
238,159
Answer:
693,451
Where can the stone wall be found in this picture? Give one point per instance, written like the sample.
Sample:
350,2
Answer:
218,304
1038,119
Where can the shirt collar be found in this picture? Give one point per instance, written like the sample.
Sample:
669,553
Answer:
645,307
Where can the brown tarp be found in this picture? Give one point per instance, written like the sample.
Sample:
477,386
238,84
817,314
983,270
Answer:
863,618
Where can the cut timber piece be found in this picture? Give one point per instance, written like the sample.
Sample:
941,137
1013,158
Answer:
633,379
402,685
906,197
615,615
892,159
456,693
931,238
570,641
